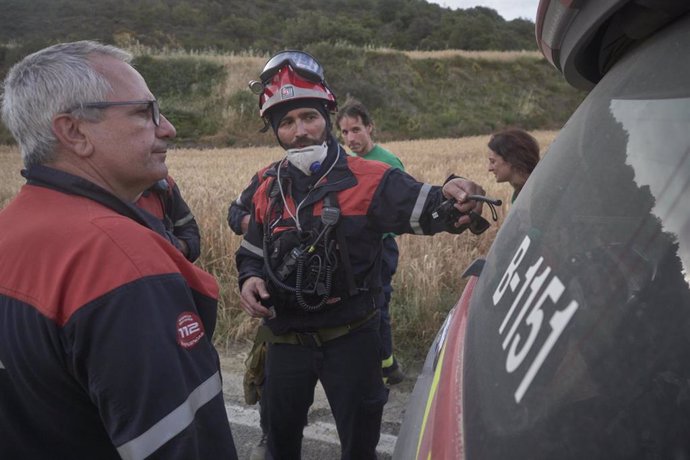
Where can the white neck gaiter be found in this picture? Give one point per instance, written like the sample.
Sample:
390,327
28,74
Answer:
308,159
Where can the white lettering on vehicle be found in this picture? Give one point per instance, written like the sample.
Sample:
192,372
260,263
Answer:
548,289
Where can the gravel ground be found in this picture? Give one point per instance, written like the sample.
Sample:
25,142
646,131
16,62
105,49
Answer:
320,436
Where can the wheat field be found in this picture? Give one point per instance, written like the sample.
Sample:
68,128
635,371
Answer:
428,281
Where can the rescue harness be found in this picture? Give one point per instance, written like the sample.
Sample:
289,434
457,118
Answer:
309,258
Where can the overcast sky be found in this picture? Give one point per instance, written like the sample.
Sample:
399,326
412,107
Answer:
509,9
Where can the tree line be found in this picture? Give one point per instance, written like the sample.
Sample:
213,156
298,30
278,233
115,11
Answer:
262,25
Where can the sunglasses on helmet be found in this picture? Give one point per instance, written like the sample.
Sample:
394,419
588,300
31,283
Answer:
303,63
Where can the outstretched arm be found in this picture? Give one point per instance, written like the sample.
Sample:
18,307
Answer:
461,189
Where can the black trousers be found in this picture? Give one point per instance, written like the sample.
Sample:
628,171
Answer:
349,369
389,264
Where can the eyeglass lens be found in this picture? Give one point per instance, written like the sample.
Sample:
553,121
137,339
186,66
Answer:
155,112
151,105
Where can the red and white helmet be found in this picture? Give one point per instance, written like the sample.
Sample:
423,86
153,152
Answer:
292,75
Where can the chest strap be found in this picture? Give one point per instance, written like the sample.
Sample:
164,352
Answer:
331,199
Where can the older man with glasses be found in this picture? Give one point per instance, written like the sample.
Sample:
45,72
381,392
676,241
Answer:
105,327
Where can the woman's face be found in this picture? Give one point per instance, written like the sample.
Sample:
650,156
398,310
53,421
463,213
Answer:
500,167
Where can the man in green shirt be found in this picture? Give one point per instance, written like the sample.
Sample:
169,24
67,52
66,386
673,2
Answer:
356,128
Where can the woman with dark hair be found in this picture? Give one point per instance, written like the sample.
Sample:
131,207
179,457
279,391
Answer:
513,155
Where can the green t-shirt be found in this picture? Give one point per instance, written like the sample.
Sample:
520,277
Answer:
378,153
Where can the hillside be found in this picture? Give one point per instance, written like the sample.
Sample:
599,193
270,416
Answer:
411,95
394,55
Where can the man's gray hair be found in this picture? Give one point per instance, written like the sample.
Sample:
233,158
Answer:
48,82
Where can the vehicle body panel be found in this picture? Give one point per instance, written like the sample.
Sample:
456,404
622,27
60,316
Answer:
577,339
437,399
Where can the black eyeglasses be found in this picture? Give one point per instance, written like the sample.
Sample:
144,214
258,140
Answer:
303,63
152,106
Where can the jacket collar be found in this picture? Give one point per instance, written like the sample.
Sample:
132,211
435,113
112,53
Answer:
44,176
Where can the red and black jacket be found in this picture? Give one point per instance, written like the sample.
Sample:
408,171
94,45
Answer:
105,332
165,201
373,198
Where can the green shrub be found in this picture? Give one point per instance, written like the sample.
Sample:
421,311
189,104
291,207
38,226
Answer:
180,77
187,89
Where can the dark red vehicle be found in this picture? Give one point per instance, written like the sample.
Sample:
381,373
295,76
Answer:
573,340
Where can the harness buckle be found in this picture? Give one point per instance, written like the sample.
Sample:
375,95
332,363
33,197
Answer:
309,339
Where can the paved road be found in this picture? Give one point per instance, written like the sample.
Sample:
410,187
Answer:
320,436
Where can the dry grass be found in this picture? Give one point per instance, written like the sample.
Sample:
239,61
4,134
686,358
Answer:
260,58
10,180
428,280
503,56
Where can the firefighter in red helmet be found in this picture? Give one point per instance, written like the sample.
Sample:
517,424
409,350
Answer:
309,261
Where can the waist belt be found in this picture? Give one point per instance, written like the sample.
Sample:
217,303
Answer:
310,339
